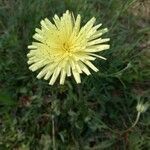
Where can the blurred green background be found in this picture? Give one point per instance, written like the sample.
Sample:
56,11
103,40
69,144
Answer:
89,116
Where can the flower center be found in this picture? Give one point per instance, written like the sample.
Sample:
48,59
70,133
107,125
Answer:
66,47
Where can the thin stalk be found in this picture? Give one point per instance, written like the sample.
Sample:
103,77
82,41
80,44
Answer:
133,125
53,133
135,122
79,88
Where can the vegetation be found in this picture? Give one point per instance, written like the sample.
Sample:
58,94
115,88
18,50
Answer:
94,115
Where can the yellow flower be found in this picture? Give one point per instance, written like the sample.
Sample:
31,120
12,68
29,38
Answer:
65,48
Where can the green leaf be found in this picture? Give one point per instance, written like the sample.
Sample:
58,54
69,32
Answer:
6,99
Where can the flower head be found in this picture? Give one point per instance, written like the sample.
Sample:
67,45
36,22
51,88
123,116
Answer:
142,107
64,48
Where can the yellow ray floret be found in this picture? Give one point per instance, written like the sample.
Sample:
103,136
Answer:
65,48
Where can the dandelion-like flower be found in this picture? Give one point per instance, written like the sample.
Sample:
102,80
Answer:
64,48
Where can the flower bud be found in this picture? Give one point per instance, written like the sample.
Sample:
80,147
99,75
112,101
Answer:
142,107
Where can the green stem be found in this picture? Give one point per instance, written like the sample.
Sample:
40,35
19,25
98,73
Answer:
53,133
79,88
134,124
